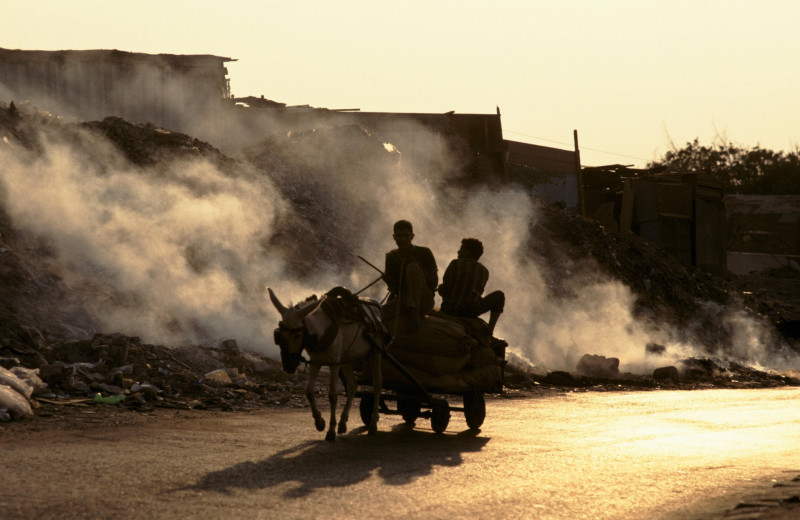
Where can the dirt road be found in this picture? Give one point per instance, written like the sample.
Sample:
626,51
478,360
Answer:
660,455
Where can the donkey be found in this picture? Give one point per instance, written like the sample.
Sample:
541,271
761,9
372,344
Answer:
333,341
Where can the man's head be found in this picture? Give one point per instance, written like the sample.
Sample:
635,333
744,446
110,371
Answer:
403,233
471,249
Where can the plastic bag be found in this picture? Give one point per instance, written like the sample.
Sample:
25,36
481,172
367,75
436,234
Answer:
111,399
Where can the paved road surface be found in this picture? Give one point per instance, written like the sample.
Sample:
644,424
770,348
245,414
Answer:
648,455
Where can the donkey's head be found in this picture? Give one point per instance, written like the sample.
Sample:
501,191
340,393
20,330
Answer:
292,330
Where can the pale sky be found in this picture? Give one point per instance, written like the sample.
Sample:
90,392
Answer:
629,75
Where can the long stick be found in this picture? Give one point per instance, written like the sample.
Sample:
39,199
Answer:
378,279
370,264
399,295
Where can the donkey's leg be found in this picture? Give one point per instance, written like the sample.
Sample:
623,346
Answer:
377,382
332,399
350,387
319,422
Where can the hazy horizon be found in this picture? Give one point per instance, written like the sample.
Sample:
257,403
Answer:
632,77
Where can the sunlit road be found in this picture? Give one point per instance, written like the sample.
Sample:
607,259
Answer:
650,455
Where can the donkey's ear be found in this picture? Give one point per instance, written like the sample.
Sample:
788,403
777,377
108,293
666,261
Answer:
276,302
305,311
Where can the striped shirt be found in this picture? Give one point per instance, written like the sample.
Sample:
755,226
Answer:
462,286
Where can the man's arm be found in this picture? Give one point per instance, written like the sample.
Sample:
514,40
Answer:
428,264
446,288
482,279
391,274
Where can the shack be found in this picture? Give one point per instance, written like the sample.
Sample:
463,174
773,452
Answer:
763,232
470,146
177,92
191,94
551,173
682,212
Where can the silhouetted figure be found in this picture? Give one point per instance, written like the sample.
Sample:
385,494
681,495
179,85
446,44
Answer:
12,110
411,275
463,284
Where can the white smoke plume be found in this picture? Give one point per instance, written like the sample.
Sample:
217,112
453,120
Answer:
163,255
181,252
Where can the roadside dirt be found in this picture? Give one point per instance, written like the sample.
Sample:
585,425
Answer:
42,326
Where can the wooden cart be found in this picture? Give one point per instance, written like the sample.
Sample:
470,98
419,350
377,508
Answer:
412,399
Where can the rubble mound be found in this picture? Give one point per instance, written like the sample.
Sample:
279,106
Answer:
148,145
316,173
773,293
119,369
82,365
667,291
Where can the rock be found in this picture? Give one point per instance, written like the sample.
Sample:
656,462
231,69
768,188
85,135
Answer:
559,378
219,377
75,352
111,389
145,388
663,373
57,374
696,368
260,366
598,366
78,387
655,349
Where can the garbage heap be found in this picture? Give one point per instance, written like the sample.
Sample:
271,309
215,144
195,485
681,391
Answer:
50,354
118,369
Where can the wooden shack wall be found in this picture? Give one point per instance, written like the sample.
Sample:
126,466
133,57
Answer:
170,91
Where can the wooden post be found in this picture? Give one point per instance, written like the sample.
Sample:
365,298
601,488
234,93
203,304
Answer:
579,175
626,213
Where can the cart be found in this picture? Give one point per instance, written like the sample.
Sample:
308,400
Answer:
412,398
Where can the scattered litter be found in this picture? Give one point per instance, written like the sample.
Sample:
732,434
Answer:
111,399
219,377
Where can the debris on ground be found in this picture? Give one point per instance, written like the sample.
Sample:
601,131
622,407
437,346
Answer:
120,370
58,358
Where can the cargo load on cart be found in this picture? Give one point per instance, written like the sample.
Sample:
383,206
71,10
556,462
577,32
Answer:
446,356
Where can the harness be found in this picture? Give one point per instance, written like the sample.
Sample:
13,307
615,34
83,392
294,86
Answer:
344,308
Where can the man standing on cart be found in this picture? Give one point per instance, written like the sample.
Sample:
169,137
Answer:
463,284
411,276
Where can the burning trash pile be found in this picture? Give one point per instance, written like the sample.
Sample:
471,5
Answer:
117,369
736,325
316,173
293,210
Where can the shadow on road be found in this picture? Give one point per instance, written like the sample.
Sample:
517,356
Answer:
398,456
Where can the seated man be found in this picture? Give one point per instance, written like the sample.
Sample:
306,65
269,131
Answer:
463,284
411,275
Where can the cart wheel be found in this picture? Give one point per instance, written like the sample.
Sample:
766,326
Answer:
365,408
409,409
440,415
474,409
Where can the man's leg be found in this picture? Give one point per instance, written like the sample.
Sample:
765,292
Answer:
494,302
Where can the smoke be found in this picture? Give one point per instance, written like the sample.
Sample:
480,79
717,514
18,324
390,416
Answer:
172,255
180,252
749,341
